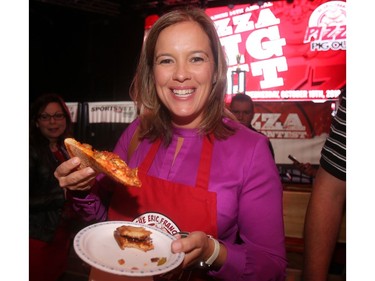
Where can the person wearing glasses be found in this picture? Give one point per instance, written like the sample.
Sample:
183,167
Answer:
49,223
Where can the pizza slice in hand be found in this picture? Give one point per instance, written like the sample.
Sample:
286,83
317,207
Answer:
103,161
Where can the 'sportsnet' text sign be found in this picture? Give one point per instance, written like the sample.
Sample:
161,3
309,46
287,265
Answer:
112,112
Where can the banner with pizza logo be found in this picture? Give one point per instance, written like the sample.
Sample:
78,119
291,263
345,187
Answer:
284,51
291,59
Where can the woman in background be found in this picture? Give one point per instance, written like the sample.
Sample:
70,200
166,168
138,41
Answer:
49,229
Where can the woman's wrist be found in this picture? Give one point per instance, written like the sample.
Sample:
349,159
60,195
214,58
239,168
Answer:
83,192
79,193
220,260
217,257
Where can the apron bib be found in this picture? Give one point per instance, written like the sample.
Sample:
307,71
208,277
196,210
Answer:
189,208
172,206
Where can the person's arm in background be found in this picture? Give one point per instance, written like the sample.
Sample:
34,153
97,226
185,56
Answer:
322,224
325,210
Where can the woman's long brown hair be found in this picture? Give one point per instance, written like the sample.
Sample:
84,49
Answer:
155,117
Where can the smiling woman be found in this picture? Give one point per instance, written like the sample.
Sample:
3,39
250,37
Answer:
201,171
184,72
49,225
199,62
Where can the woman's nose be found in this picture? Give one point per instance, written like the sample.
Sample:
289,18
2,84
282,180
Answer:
181,72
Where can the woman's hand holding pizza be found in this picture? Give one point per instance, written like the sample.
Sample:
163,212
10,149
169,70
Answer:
71,178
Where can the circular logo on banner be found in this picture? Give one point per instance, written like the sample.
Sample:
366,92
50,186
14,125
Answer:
332,13
158,220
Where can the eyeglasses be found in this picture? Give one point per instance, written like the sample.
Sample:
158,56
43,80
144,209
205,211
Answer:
47,117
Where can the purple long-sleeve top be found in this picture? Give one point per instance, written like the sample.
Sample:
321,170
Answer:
249,196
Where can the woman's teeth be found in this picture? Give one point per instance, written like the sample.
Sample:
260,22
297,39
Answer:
183,92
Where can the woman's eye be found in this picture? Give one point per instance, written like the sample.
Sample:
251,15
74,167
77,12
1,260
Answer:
164,61
197,59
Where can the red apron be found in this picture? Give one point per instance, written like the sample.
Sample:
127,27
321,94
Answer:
189,208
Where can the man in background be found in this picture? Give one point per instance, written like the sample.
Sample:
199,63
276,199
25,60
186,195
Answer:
242,106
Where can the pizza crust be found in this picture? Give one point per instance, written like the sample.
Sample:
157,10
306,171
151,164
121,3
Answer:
104,162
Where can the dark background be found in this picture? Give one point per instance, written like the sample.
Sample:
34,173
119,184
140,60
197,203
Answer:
87,50
81,55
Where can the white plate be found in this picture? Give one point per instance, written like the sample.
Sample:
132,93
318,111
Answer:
97,246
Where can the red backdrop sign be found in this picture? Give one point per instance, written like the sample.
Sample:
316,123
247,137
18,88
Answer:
282,51
291,59
292,120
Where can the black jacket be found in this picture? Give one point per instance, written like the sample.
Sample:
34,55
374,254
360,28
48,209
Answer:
46,197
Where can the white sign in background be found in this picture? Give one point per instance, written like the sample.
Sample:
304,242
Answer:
73,109
112,112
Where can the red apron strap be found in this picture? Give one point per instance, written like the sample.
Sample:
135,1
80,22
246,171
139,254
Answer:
205,163
146,164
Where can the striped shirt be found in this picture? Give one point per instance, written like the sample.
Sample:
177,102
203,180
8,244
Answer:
333,155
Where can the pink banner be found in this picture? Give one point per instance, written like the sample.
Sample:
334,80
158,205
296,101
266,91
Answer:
294,52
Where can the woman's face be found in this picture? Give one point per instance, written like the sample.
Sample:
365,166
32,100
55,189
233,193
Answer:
184,72
52,127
